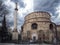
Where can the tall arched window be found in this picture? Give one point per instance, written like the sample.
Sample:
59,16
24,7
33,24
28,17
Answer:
34,26
51,26
21,28
28,33
41,35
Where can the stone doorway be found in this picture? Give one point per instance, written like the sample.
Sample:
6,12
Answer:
34,37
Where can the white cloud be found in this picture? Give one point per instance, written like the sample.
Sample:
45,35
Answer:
28,8
29,4
10,4
58,9
57,19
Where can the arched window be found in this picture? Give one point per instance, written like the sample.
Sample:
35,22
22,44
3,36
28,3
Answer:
51,26
34,26
21,28
28,35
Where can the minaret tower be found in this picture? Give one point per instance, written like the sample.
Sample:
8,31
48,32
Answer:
15,18
15,32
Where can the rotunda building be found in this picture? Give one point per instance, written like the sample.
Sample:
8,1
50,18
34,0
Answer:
38,27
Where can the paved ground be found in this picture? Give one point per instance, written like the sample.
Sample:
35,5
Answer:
22,44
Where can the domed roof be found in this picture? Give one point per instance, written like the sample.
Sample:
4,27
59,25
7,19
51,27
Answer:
40,14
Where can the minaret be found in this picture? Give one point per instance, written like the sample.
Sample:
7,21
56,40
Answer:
15,32
15,18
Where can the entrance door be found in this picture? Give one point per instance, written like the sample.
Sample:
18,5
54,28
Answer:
34,38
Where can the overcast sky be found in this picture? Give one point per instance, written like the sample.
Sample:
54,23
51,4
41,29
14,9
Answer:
27,6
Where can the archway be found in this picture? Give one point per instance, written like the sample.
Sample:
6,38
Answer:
34,37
